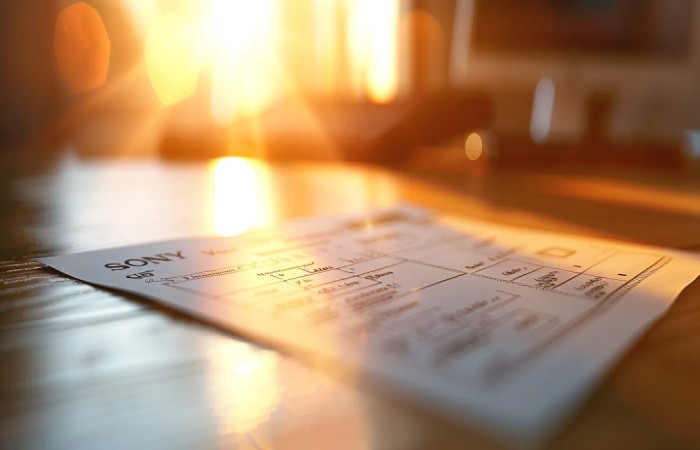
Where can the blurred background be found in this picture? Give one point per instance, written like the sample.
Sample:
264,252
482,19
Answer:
400,82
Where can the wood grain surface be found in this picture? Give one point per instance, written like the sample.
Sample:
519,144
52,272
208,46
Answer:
85,367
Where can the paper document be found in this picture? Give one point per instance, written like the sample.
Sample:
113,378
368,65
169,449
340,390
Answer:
497,327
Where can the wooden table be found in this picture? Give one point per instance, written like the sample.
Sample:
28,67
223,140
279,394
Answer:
84,367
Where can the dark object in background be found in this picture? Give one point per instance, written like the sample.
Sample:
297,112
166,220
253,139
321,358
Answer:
354,132
601,27
29,91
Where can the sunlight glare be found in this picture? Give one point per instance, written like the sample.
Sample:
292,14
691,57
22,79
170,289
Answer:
327,45
143,13
382,77
242,197
358,43
245,386
373,48
172,58
243,39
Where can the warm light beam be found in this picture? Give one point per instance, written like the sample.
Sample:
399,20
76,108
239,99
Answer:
373,48
172,58
382,77
242,36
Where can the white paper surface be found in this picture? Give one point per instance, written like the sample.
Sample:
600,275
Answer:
499,328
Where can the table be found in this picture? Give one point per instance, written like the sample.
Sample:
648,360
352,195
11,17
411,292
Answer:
84,367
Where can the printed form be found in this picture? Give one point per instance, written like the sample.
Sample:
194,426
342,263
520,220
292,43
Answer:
496,327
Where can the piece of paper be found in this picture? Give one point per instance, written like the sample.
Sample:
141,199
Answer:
502,329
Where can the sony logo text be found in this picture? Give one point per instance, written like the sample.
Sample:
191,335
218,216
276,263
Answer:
145,260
